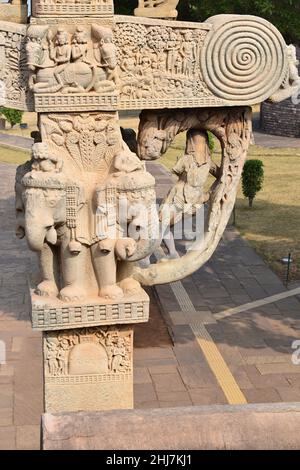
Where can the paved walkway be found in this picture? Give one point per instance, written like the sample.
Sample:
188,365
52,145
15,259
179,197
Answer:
16,141
184,356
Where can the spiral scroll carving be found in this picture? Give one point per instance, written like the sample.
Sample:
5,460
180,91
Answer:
244,59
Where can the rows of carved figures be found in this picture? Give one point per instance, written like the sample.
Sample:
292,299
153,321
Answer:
157,61
71,352
78,61
83,65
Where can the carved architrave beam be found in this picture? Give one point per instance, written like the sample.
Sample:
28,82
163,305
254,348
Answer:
229,60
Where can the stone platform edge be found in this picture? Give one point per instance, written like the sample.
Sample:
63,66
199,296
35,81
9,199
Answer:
218,427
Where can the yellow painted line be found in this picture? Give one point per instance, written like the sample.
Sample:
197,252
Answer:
218,366
212,354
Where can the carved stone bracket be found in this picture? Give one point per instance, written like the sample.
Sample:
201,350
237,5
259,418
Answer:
233,128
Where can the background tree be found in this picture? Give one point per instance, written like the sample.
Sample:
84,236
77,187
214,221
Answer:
13,116
252,179
284,14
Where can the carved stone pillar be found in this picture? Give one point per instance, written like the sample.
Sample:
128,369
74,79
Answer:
88,369
85,202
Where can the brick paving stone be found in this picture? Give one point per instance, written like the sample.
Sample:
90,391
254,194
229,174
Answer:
6,416
167,298
241,272
163,369
169,399
231,354
240,299
7,438
6,396
197,376
289,394
262,395
198,300
168,382
178,318
150,362
284,368
154,353
141,375
182,334
208,396
28,437
265,381
144,393
204,316
241,376
188,354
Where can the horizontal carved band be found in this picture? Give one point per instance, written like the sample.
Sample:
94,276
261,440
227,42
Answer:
99,7
88,379
54,317
75,102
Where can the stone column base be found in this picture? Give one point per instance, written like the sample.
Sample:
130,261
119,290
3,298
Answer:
88,369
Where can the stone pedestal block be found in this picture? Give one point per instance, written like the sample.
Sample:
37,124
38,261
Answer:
88,369
88,350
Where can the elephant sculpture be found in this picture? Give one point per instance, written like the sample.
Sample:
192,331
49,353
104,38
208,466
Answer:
52,211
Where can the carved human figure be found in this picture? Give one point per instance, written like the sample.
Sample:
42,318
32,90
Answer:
119,353
43,161
291,84
188,53
51,357
188,194
294,78
109,345
79,45
105,54
62,357
60,52
173,46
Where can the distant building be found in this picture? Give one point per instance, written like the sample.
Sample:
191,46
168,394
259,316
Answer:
281,118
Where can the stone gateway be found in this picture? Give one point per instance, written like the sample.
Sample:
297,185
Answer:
85,201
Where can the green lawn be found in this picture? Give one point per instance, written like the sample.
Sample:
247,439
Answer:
10,155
